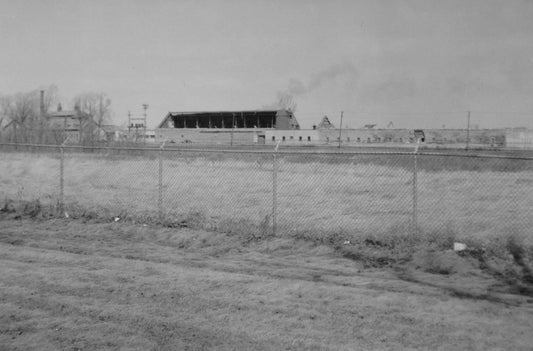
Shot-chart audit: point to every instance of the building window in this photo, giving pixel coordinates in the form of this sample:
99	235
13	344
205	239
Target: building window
308	138
358	140
368	140
348	139
283	138
291	137
300	138
273	138
401	140
327	139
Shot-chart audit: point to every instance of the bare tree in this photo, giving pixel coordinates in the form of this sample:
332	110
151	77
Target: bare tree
21	115
3	116
21	112
97	105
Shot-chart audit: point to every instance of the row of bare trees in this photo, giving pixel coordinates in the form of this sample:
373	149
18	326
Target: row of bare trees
24	117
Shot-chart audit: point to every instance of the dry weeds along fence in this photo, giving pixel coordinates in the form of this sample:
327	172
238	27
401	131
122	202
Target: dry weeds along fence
336	197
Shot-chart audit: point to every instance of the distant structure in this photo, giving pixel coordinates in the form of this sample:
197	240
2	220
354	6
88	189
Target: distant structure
75	126
520	138
280	126
71	123
325	123
239	127
111	133
281	119
419	135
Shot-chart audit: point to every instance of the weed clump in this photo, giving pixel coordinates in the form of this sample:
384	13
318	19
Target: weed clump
507	257
247	230
510	257
33	209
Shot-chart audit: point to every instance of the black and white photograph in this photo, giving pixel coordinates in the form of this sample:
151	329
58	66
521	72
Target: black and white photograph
266	175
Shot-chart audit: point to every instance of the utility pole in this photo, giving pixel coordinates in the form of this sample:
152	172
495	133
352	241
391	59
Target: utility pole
340	130
130	125
468	131
137	123
145	107
232	127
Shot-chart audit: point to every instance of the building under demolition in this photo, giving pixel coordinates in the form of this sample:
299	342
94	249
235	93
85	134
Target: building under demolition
221	127
264	119
273	126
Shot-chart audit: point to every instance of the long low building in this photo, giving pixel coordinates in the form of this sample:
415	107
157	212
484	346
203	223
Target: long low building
273	126
382	137
520	138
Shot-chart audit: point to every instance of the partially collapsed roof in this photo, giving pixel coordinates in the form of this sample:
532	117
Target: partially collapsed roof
280	119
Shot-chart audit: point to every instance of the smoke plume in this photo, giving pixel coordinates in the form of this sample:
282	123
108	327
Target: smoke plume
286	99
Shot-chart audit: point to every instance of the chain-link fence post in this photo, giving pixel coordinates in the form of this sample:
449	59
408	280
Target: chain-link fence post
415	190
61	205
275	189
160	184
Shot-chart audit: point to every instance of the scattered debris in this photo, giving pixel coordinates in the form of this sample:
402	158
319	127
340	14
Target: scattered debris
459	247
117	219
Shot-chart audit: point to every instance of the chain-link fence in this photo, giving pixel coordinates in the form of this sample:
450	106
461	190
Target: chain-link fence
279	191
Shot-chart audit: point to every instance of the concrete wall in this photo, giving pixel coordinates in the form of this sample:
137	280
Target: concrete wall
366	136
478	137
209	136
522	139
350	137
445	137
292	137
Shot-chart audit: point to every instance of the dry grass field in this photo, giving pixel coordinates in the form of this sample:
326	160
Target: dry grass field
348	195
84	285
344	272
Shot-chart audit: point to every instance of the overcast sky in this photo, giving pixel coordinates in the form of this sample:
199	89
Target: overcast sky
414	63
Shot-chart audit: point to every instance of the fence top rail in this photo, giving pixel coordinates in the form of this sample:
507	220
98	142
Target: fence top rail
49	146
271	151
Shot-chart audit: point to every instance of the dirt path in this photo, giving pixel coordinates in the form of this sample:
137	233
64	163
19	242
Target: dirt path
87	286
